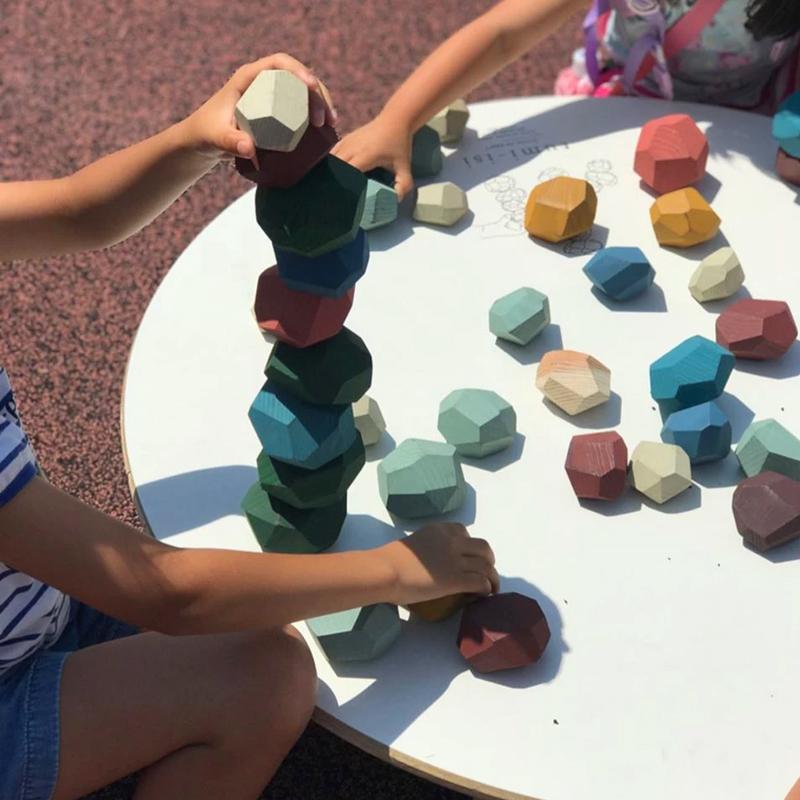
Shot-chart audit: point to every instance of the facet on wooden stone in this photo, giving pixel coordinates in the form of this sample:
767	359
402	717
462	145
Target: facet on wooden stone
766	446
380	205
683	219
274	110
320	213
691	373
786	125
502	631
660	471
440	204
477	422
337	371
426	153
702	431
381	175
358	634
671	153
369	420
766	509
520	316
719	275
311	488
332	274
575	382
622	273
298	318
420	478
757	329
560	208
787	167
300	433
281	170
597	465
450	122
282	528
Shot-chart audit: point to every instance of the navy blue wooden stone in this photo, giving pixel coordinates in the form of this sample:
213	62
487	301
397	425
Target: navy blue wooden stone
382	175
703	431
330	274
622	273
300	433
691	373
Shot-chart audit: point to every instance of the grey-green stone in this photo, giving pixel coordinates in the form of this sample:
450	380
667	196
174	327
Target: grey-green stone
358	634
380	206
768	446
520	316
477	422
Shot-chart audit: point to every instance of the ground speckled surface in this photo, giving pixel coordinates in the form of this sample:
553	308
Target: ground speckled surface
80	78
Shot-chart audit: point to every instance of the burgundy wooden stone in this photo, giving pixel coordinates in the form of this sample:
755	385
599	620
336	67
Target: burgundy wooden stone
298	318
757	329
766	508
281	170
787	167
597	465
502	631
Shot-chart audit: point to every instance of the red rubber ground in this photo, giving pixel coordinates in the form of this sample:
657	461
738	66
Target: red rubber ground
79	78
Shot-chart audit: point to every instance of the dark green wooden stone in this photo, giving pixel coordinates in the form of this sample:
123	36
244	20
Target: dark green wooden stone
320	213
426	153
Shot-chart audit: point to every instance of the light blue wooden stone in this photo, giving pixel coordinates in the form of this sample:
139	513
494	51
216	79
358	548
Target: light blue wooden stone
767	446
358	634
622	273
786	125
300	433
477	422
691	373
380	206
520	316
703	431
420	478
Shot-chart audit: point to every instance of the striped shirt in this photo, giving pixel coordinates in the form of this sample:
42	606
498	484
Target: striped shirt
32	614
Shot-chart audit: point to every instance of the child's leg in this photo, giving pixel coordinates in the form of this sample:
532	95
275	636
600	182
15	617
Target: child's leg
202	716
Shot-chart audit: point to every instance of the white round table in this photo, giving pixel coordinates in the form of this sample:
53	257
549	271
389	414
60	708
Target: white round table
672	668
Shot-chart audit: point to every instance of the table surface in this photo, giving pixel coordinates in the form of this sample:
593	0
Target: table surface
672	668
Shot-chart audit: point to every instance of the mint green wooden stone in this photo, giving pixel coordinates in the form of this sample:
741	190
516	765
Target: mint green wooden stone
359	634
380	206
420	478
281	528
311	488
477	422
426	153
767	446
520	316
337	371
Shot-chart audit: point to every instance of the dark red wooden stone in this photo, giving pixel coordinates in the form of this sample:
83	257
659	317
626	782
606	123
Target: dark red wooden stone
757	329
766	508
597	465
502	631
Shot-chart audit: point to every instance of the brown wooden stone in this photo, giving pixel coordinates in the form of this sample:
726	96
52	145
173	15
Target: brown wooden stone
766	508
597	465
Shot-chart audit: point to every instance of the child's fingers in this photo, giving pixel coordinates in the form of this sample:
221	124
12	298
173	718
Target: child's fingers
237	143
331	114
794	792
403	182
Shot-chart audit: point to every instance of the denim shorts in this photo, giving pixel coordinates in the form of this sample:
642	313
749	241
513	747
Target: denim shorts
29	706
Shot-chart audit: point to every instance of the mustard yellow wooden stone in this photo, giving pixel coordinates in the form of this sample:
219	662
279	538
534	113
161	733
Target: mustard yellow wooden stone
560	208
439	609
683	219
573	381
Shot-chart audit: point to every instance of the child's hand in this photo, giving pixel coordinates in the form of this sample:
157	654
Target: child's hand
439	560
212	128
380	143
794	792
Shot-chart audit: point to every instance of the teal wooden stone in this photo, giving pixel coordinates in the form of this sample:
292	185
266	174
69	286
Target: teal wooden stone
333	372
380	206
703	431
520	316
477	422
320	213
281	528
332	274
420	478
311	488
767	446
692	373
622	273
300	433
786	125
359	634
426	153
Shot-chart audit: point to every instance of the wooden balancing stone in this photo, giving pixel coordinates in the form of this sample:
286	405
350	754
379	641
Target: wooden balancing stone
597	465
560	209
683	219
575	382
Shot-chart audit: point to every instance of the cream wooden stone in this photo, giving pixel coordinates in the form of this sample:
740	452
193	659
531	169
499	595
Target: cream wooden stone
369	420
440	204
660	471
719	275
451	121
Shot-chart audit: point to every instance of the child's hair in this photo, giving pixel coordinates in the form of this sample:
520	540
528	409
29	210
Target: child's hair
777	18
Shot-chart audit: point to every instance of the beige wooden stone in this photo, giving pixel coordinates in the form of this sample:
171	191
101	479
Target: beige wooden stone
660	471
719	275
450	122
440	204
369	420
575	382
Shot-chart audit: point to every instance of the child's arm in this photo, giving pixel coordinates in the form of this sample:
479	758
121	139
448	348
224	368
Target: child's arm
114	197
467	59
54	537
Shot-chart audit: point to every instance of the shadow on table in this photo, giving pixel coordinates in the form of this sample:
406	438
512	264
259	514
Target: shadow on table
549	339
